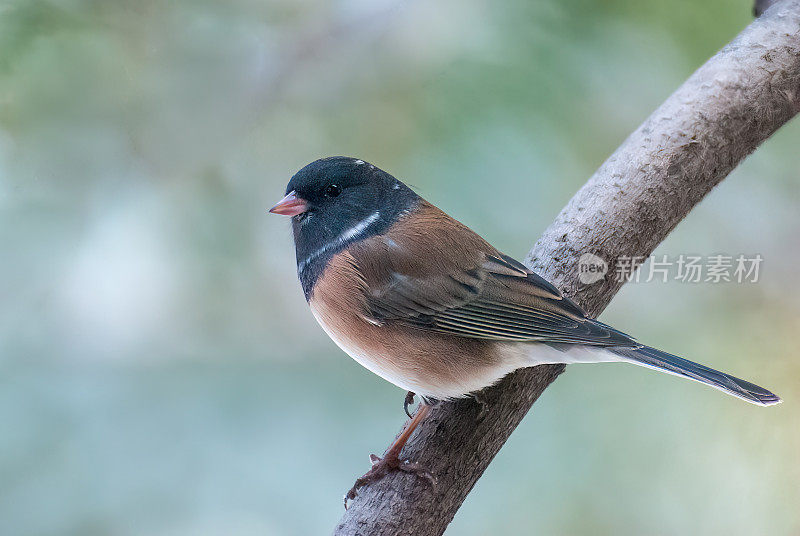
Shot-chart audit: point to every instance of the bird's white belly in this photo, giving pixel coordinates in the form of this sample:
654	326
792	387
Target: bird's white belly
533	353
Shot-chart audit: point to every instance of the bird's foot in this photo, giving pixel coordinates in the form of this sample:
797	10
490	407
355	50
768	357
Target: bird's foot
483	406
409	401
382	467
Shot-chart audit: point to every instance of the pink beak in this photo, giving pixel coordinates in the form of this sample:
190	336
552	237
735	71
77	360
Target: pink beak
291	205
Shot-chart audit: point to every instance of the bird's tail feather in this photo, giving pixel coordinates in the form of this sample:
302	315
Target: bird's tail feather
656	359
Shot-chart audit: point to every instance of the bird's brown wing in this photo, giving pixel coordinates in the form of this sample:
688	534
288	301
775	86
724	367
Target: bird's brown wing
456	283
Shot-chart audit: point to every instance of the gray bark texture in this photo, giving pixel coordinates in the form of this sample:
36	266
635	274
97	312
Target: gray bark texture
720	115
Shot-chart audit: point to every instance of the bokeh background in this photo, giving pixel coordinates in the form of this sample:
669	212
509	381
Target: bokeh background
160	373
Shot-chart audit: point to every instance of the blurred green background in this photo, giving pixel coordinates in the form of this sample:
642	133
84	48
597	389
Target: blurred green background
160	373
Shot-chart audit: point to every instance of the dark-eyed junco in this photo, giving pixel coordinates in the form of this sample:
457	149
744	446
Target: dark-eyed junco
424	302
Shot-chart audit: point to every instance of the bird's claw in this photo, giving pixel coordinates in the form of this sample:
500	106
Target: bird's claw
382	467
407	402
483	407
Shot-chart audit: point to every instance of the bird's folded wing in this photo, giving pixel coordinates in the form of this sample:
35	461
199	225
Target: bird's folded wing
470	290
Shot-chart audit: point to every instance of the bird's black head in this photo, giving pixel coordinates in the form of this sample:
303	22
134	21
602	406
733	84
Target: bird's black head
336	201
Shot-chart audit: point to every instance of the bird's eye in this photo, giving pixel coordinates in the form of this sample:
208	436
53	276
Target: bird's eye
332	190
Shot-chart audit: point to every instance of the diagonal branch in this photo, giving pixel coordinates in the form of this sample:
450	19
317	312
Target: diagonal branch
720	115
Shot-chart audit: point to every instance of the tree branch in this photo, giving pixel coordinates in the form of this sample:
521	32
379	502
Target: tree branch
711	123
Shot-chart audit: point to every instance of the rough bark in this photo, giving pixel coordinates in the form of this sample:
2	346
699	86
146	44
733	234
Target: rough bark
720	115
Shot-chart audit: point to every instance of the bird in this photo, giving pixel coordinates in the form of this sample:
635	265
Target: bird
424	302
